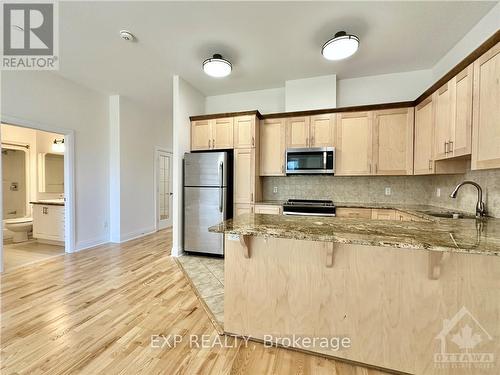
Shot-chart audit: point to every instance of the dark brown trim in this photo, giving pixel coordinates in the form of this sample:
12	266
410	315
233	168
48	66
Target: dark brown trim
359	108
473	56
222	115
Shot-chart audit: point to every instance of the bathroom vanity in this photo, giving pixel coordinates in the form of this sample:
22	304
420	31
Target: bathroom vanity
48	221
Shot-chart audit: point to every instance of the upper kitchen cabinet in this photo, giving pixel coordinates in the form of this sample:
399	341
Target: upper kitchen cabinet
216	134
453	117
272	147
313	131
245	131
486	111
354	143
222	133
297	132
424	124
246	184
322	130
393	142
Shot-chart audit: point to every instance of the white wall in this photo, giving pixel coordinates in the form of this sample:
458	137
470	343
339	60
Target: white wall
311	93
266	101
383	88
485	28
114	169
187	101
45	98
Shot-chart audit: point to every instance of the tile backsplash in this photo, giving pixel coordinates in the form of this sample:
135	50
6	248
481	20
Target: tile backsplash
404	189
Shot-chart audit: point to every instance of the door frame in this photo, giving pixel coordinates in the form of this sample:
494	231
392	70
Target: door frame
156	191
69	177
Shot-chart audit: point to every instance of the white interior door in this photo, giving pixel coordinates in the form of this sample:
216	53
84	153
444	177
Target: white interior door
164	189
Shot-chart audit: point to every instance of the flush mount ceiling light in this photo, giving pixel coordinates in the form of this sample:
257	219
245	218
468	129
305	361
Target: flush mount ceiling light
127	35
217	66
58	145
341	46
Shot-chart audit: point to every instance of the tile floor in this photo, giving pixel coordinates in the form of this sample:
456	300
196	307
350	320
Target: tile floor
24	253
207	275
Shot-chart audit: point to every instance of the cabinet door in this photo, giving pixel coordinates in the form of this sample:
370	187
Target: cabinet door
443	123
322	131
297	132
201	135
424	121
244	131
242	208
354	143
272	147
222	133
461	141
244	175
267	209
354	213
383	214
393	142
486	111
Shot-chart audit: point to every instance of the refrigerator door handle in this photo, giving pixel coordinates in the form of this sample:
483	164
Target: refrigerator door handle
221	184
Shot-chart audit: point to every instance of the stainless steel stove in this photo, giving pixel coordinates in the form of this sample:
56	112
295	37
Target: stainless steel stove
309	207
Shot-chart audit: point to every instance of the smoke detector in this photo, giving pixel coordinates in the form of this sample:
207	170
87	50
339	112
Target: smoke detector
127	35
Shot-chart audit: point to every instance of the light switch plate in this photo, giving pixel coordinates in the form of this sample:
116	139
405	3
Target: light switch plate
387	191
275	189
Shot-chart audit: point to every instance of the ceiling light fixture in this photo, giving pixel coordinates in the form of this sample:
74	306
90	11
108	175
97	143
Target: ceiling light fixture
341	46
58	145
127	35
217	66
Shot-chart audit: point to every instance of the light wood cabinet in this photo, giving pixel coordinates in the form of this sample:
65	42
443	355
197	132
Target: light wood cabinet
245	131
354	143
268	209
215	134
244	175
48	222
383	214
486	111
461	143
297	132
354	213
393	142
443	121
272	147
424	124
313	131
243	208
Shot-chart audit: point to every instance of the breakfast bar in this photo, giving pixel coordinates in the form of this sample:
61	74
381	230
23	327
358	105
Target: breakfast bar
387	288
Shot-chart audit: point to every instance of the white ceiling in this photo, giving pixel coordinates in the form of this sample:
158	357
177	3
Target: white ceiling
266	42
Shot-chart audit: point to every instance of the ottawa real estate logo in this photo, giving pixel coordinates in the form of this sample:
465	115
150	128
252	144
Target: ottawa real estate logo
30	35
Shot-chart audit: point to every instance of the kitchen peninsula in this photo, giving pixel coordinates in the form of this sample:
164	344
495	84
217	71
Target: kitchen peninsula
390	286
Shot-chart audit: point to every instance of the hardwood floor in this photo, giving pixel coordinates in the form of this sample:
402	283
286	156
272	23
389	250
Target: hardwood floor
95	312
24	253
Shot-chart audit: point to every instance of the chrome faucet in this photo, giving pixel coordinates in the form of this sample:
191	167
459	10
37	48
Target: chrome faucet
480	209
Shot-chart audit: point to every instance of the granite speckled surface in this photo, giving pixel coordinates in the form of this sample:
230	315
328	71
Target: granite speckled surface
450	235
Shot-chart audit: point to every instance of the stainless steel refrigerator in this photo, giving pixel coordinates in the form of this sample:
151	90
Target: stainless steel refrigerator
207	199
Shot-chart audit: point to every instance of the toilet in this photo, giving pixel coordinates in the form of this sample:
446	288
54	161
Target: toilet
20	227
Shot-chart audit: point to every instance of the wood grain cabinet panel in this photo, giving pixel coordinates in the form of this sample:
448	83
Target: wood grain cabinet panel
272	147
354	213
222	133
383	214
424	124
322	130
268	209
297	132
245	128
201	135
354	143
486	111
393	142
443	121
461	142
243	208
244	175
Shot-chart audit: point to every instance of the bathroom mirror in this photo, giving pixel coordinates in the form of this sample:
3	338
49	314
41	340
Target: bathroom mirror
50	173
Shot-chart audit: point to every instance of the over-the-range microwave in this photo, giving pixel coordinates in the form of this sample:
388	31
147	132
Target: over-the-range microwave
313	160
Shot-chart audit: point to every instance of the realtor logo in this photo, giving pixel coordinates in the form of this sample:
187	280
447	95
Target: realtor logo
463	341
29	36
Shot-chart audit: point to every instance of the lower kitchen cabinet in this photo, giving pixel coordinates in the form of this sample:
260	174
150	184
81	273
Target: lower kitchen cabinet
48	222
243	208
355	213
268	209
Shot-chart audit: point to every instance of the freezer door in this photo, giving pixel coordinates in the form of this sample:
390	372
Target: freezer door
205	169
203	207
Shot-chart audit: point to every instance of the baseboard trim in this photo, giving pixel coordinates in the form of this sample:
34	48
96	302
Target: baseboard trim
137	234
84	245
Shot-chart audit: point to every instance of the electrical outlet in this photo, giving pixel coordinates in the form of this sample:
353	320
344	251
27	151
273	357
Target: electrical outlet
387	191
438	192
275	189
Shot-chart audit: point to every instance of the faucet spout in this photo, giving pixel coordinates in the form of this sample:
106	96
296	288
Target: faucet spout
480	208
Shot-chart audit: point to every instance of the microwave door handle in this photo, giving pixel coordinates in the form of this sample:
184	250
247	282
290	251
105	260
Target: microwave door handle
324	160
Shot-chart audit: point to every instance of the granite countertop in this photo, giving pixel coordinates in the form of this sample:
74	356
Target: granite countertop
449	235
